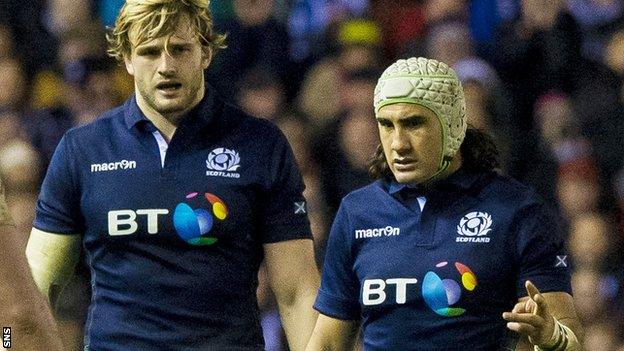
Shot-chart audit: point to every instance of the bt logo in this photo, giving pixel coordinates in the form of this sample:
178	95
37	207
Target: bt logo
191	221
439	294
123	222
193	224
374	290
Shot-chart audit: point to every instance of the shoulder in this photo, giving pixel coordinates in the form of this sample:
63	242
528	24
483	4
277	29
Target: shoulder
508	190
363	198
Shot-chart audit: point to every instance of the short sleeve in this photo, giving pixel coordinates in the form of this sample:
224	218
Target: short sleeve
541	252
338	295
58	205
284	207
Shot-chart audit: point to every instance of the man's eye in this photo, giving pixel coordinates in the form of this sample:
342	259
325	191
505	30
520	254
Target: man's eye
412	123
148	53
178	50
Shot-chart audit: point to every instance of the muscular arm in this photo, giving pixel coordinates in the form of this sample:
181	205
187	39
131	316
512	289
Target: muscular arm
52	259
332	334
294	278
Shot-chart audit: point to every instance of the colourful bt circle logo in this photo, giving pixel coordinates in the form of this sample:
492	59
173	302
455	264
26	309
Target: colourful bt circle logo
192	225
440	294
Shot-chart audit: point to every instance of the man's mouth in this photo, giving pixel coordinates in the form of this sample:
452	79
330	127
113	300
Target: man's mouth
404	163
168	86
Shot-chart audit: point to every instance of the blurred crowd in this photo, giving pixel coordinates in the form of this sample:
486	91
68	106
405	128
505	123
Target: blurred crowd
544	78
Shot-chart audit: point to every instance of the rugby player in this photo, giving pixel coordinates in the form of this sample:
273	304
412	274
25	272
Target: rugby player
441	252
176	197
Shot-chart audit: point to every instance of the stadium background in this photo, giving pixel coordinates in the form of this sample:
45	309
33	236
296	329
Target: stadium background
543	77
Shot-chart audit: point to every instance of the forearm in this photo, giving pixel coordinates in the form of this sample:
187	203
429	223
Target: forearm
298	318
332	334
52	258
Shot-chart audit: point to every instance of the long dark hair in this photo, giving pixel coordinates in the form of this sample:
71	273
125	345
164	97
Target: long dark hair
478	152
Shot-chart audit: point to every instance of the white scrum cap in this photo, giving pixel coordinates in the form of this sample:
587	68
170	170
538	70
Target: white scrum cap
432	84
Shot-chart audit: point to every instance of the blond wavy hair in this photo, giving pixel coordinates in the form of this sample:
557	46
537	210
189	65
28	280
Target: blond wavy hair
157	18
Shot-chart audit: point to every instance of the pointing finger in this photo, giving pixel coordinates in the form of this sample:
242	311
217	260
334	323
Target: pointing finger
531	289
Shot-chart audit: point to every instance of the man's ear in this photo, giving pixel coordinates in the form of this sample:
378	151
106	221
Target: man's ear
128	63
206	57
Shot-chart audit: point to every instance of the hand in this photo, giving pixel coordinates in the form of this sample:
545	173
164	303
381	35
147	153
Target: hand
531	318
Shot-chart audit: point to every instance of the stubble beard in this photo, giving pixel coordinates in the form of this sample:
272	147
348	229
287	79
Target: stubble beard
173	112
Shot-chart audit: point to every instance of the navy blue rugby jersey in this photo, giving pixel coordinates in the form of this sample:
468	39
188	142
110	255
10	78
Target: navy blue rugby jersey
174	243
439	279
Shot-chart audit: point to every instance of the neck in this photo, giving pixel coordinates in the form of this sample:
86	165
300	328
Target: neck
166	123
455	164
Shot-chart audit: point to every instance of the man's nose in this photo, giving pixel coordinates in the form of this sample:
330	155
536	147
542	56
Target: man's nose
166	64
400	140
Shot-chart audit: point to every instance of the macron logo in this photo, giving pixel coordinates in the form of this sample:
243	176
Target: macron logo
377	232
112	166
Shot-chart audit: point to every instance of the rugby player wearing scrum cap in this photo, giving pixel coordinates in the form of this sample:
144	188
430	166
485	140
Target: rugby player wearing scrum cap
441	252
176	197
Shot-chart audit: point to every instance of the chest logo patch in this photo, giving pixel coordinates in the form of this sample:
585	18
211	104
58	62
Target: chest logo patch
440	294
112	166
223	162
193	219
473	227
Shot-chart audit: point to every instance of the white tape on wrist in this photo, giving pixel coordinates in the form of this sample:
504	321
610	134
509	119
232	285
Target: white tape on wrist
563	339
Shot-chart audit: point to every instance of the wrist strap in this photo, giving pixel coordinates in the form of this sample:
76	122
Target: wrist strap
563	339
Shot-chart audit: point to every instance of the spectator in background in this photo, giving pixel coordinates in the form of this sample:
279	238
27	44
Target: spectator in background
487	104
26	23
445	35
598	20
261	94
359	43
86	91
614	59
12	96
556	121
541	51
537	52
590	240
450	41
6	42
602	337
255	38
308	23
343	148
578	189
396	31
66	15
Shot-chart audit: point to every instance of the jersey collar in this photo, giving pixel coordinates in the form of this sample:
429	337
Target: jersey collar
202	114
462	179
